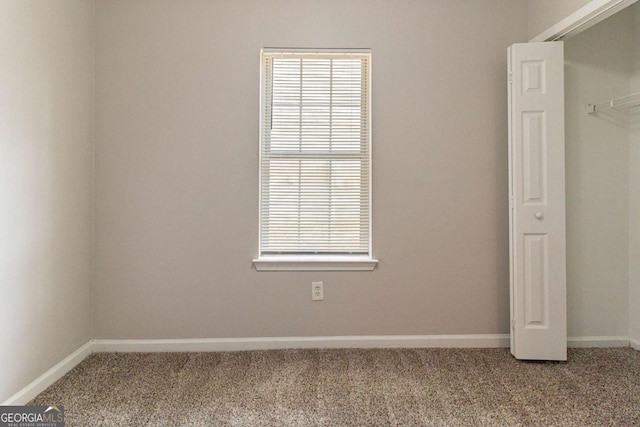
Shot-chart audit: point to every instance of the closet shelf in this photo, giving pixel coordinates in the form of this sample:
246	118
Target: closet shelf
629	104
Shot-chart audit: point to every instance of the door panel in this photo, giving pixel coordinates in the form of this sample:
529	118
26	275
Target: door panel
534	170
537	201
536	281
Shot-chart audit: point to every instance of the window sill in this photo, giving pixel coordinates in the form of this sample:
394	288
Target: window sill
315	263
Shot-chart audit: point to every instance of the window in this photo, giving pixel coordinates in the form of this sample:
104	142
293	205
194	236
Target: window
315	160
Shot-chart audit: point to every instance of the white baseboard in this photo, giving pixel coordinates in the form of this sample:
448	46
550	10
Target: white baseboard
38	385
598	342
635	344
373	341
273	343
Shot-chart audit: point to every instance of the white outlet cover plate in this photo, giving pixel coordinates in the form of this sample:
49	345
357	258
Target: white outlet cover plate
317	291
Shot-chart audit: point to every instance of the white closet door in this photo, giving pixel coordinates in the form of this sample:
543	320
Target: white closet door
537	201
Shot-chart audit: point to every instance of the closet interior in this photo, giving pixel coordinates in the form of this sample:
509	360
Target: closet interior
602	123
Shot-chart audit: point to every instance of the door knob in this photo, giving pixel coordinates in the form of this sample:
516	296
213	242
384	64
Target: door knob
539	215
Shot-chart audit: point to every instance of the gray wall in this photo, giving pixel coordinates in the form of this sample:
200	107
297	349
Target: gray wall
634	195
634	231
543	14
177	169
46	139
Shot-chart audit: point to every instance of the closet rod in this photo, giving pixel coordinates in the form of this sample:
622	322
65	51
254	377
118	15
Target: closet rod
623	104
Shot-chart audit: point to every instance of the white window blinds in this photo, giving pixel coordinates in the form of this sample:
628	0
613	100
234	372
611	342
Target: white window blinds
315	153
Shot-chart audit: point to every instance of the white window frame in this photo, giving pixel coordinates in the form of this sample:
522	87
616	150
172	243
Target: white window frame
313	262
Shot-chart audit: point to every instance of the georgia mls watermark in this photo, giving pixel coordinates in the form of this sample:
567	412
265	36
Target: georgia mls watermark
32	416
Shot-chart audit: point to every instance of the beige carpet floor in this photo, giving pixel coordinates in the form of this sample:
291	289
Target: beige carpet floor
412	387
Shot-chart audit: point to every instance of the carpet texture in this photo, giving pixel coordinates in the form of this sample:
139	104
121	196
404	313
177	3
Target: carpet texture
412	387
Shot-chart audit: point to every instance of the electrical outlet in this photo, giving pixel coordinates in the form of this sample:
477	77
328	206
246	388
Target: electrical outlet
317	291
